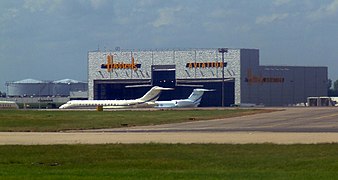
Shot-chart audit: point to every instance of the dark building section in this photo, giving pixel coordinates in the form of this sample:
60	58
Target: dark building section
131	89
163	75
120	89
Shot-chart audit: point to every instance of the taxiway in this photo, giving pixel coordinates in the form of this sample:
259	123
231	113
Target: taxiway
287	126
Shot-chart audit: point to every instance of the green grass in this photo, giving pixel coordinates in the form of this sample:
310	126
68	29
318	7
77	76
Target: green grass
35	121
165	161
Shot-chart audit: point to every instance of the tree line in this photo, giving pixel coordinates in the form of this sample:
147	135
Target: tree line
2	94
333	88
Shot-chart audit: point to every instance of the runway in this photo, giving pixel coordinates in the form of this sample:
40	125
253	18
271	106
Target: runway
304	119
287	126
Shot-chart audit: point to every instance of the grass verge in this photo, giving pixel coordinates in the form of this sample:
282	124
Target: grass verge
43	121
165	161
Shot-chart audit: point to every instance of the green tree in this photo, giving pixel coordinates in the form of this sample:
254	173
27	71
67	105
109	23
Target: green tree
329	88
332	91
335	86
329	84
2	94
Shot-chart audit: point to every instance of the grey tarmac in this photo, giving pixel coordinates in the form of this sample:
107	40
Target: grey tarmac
301	119
288	126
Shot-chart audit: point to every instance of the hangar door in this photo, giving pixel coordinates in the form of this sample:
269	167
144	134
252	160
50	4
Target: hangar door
163	75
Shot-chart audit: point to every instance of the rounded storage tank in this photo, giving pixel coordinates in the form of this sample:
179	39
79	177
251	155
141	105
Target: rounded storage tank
28	87
65	86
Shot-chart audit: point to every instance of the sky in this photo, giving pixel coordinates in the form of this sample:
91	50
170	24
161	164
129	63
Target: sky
49	39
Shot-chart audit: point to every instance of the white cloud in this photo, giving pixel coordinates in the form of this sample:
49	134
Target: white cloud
333	7
281	2
213	26
145	2
42	5
325	11
7	16
271	18
35	5
166	16
10	14
97	3
244	28
221	13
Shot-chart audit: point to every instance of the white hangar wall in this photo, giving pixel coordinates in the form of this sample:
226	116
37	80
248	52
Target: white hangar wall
179	58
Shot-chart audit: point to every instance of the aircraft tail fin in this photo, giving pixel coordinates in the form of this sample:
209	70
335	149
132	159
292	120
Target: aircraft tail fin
196	95
153	94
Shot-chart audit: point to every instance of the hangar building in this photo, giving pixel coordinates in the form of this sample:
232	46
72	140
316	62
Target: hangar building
126	74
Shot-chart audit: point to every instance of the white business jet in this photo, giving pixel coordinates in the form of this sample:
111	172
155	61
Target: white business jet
148	100
193	100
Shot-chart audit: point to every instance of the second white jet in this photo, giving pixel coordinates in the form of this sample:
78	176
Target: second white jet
193	100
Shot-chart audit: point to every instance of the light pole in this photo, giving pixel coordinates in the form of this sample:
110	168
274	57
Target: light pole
39	95
223	50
